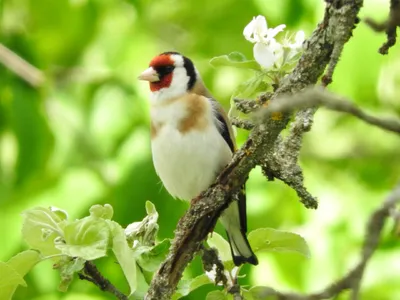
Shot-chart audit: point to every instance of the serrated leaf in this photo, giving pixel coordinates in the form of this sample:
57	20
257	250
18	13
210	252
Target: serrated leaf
218	242
87	238
124	254
40	228
68	267
10	279
150	258
235	59
186	286
269	239
216	295
102	211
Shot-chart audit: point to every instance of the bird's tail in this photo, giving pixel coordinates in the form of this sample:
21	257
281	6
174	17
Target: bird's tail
236	231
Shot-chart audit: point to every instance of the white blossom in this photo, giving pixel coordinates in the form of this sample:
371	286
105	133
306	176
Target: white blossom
266	49
298	41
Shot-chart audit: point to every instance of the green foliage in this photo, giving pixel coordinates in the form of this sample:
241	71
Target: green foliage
236	60
68	267
218	295
12	273
82	137
124	254
260	293
185	286
71	243
40	229
270	239
218	242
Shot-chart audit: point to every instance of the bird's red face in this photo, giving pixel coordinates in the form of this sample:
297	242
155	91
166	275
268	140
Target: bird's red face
160	72
170	75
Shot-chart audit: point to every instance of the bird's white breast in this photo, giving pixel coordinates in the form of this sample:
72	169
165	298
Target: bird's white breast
189	162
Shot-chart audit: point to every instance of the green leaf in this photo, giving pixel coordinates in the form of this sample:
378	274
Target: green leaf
142	286
9	281
124	254
24	261
100	211
40	228
68	266
87	238
150	258
146	230
151	208
216	295
62	214
235	59
218	242
237	56
251	87
12	272
261	293
279	241
185	286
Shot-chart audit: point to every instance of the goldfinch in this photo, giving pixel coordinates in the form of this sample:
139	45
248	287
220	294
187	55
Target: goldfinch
192	141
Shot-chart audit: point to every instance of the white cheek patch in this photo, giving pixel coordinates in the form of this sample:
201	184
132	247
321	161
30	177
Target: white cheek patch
178	86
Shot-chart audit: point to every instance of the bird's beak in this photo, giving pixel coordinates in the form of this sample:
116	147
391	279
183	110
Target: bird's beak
149	75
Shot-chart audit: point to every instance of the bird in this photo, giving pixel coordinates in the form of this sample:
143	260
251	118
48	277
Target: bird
192	140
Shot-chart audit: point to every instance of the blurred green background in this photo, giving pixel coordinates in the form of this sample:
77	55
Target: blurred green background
82	137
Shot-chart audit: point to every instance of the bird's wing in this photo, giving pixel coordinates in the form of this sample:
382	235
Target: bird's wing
225	129
224	125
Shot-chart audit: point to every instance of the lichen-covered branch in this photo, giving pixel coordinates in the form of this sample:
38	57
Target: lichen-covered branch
244	124
201	217
320	97
284	163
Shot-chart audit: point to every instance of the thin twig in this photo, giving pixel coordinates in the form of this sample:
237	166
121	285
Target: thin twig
244	124
21	67
389	26
320	97
246	106
92	274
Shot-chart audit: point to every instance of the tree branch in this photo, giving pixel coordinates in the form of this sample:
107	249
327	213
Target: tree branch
201	217
244	124
92	274
389	26
320	97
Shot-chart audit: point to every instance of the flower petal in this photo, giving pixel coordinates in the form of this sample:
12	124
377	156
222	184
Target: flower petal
249	31
299	38
272	32
260	28
263	55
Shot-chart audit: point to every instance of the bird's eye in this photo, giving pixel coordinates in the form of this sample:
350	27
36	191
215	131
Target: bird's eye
164	70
